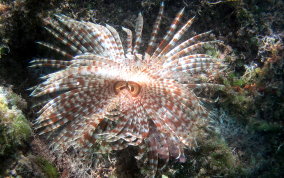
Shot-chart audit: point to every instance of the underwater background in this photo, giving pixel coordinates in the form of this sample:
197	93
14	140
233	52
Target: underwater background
245	136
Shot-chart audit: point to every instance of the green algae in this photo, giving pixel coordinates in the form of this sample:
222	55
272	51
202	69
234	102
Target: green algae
263	126
14	127
213	158
47	168
15	131
219	159
2	51
211	50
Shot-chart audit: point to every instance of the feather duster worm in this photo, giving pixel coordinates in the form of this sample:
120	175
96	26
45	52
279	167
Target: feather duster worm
109	95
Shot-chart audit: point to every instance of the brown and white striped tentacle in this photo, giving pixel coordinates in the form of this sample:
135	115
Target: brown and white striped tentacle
191	48
67	83
129	40
193	65
154	33
49	63
138	35
109	43
117	39
81	34
100	72
57	49
177	36
81	104
68	35
169	34
152	155
176	61
63	40
187	43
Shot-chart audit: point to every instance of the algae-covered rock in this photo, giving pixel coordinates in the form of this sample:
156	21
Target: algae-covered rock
15	132
47	168
32	166
14	127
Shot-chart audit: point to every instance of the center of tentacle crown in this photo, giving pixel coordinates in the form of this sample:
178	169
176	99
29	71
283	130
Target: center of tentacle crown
133	87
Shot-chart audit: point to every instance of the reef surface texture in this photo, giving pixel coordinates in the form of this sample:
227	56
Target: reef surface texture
188	102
